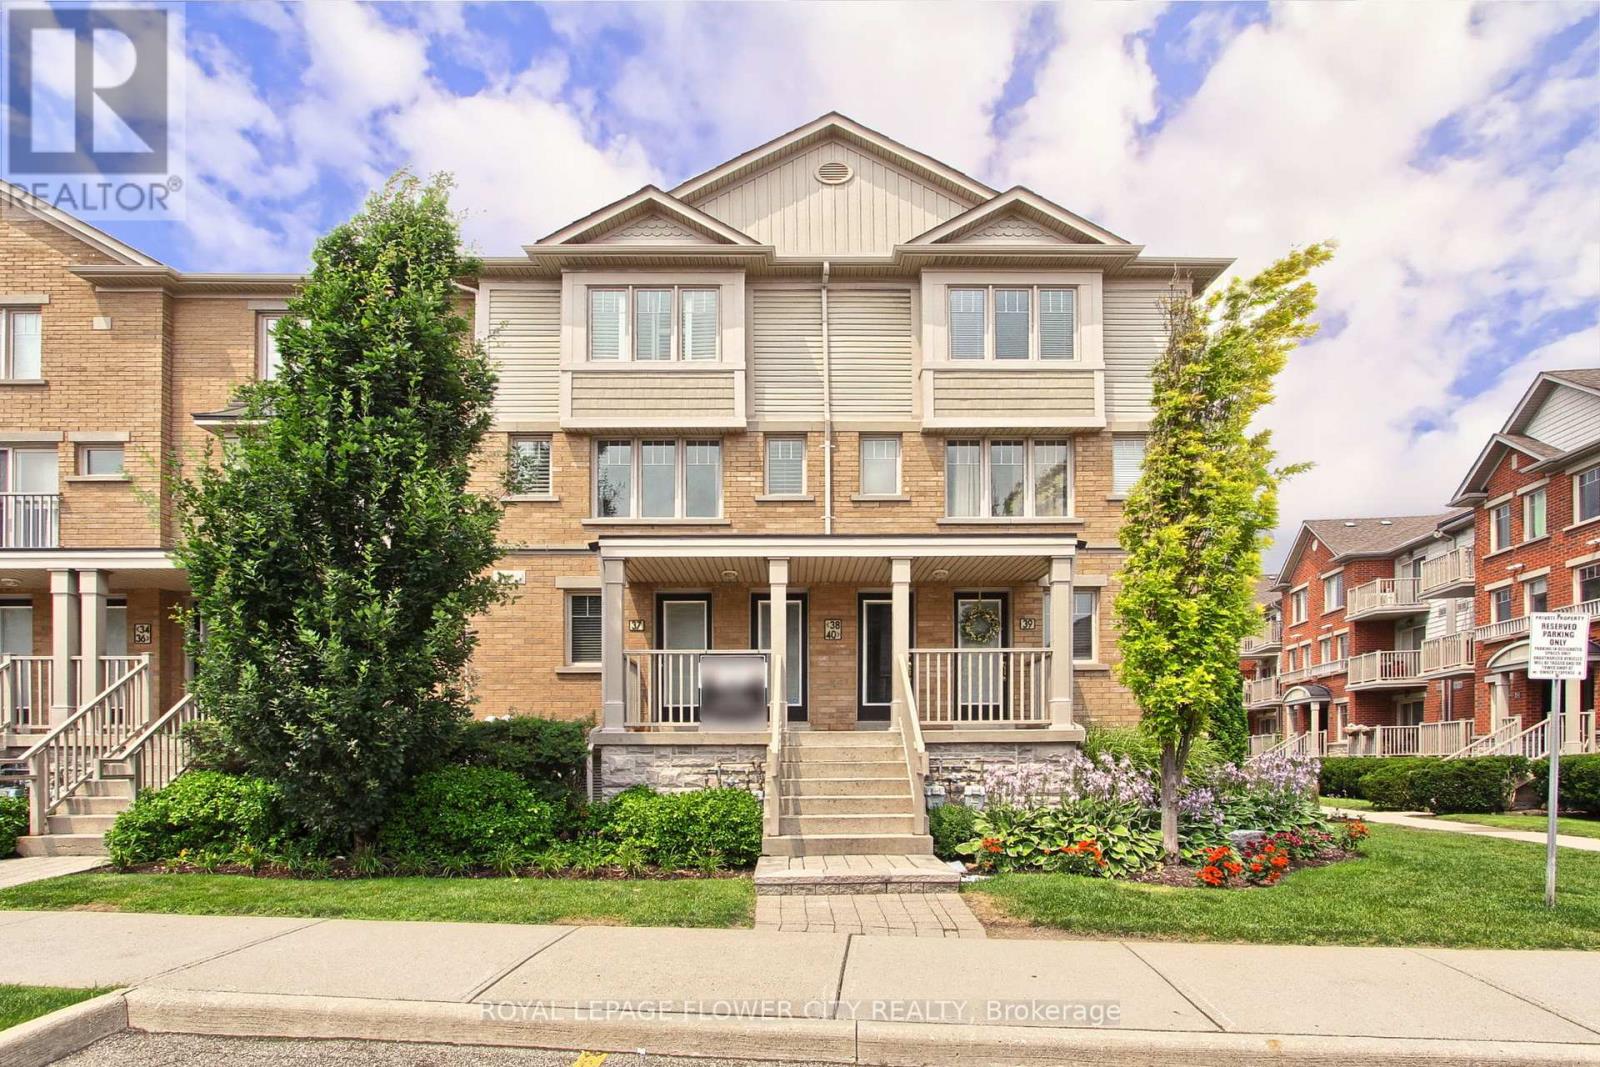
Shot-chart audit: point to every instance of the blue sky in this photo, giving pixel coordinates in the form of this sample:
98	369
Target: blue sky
1450	148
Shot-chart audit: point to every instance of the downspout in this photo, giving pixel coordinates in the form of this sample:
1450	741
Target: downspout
827	414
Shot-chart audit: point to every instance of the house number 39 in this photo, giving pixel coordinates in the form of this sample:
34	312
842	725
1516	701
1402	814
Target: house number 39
1027	622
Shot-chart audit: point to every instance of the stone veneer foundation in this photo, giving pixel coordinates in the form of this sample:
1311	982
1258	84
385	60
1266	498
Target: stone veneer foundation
956	770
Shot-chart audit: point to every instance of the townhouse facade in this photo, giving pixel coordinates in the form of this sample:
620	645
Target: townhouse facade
832	375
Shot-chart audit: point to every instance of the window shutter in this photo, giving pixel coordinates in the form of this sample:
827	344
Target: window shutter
652	324
606	324
966	323
583	628
1057	309
786	472
699	318
1127	460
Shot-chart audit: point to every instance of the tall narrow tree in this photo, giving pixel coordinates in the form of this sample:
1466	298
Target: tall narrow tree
336	555
1196	521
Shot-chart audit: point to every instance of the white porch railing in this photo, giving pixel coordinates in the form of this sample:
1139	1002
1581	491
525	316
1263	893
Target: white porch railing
663	686
1499	631
161	751
772	792
1383	594
916	750
1452	652
1270	637
1378	668
25	692
1314	670
30	520
1260	744
1453	568
968	686
1258	691
70	754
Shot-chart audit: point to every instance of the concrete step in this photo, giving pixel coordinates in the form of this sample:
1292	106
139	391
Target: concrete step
80	824
829	875
844	769
842	739
823	825
106	787
81	805
116	768
845	754
62	845
862	804
848	845
846	787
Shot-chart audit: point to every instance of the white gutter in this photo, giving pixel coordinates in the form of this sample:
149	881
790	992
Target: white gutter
827	414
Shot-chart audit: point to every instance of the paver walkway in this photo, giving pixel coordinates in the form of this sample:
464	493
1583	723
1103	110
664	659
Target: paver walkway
24	869
886	914
855	874
1417	820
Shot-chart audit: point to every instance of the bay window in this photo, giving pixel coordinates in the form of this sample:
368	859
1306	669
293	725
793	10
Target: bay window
653	323
658	479
1026	322
1008	479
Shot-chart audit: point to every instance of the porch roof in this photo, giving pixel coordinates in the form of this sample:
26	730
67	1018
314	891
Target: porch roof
858	559
28	570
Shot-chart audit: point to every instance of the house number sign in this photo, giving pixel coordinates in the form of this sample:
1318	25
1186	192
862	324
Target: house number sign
833	629
141	633
1027	622
636	626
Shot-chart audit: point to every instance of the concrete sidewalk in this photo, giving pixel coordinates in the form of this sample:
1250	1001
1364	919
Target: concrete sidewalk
21	870
1418	820
832	998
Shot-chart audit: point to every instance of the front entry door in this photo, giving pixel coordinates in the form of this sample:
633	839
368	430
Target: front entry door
794	659
875	658
981	668
683	623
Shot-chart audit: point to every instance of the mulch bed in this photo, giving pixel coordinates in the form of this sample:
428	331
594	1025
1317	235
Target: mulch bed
1179	876
340	869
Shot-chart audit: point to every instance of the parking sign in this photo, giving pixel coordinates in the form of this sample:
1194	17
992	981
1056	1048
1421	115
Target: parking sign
1558	646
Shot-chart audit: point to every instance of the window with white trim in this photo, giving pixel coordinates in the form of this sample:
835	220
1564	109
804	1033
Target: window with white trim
1588	583
1535	517
1536	595
1010	322
268	360
1008	479
1333	592
1586	495
664	478
1127	461
786	466
1325	650
528	465
880	464
1500	604
1500	527
643	323
21	344
1299	606
1085	624
583	629
100	461
1339	645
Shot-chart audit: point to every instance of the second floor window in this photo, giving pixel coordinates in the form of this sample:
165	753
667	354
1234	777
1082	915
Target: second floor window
28	487
1589	583
1586	495
880	465
100	460
1012	322
529	465
1333	592
1500	527
1325	649
658	479
1127	462
786	466
20	344
1008	479
1500	604
1537	592
1085	605
652	324
268	361
583	629
1535	519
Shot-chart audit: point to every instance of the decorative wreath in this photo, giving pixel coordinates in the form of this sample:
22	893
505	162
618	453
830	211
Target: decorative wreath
979	624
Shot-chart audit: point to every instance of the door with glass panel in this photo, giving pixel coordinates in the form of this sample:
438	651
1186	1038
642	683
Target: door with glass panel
683	626
981	683
24	700
875	659
28	497
794	657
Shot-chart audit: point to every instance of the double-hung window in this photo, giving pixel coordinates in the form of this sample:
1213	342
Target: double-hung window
658	479
1586	495
1333	592
1537	594
21	344
880	464
1298	606
1007	322
1085	608
1535	515
786	466
1127	462
1325	650
1500	527
1500	604
529	465
1589	583
268	360
653	323
583	629
1008	479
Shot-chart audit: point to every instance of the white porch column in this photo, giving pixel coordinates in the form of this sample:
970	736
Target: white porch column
92	623
1571	712
900	633
613	664
1060	641
63	644
778	637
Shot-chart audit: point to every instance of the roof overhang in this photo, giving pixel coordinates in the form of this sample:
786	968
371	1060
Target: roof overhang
1307	694
158	278
638	205
17	198
1470	491
1028	204
127	568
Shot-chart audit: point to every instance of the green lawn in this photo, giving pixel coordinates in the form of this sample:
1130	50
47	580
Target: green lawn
644	902
1413	887
1353	803
19	1003
1565	824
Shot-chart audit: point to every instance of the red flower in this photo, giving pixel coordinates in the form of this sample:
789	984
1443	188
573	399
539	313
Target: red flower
991	844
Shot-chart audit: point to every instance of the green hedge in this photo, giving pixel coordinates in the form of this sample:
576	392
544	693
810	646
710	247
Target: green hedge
200	812
1483	784
951	827
467	815
1580	783
13	823
679	830
550	755
1387	784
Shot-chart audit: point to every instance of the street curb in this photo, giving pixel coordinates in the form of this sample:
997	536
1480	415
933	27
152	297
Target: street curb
63	1032
884	1044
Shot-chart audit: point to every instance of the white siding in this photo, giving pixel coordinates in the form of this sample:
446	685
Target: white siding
1135	338
525	341
786	353
787	207
1568	418
870	357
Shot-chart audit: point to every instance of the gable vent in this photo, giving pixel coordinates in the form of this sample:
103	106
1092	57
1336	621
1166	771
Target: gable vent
834	173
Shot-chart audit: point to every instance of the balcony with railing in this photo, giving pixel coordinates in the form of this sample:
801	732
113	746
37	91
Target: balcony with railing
1385	670
1262	692
1384	598
30	520
1505	629
1267	643
1450	654
1313	671
1449	575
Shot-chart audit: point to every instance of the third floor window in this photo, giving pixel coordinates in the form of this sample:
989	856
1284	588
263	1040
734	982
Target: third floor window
1586	495
1008	479
1535	517
1500	527
1012	322
646	324
20	344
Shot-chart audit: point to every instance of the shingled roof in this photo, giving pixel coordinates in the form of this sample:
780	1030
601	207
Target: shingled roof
1584	377
1373	536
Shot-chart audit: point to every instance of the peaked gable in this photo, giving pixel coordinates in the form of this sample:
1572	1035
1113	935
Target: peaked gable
18	201
1019	216
648	216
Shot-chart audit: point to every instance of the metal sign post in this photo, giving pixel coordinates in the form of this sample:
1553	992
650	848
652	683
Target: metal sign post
1558	651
